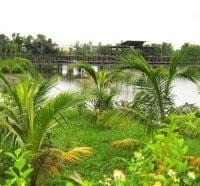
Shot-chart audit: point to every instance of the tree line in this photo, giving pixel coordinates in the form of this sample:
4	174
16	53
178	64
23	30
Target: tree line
18	45
41	45
154	49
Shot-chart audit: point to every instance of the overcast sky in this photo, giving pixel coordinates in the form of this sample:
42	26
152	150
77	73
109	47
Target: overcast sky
105	21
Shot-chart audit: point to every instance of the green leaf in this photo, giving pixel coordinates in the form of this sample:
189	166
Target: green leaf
160	178
24	154
11	155
180	166
11	172
197	129
159	137
27	172
69	184
175	153
20	163
17	152
10	182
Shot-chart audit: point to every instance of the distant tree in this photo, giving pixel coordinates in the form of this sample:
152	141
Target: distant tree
4	43
164	49
17	41
28	43
103	50
184	46
188	49
82	49
167	49
40	45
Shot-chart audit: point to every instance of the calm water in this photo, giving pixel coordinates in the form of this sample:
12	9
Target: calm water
183	90
186	92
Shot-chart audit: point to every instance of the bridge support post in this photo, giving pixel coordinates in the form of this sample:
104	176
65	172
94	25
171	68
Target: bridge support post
40	68
59	68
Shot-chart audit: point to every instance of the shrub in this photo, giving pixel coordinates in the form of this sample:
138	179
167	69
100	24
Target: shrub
5	69
17	69
163	160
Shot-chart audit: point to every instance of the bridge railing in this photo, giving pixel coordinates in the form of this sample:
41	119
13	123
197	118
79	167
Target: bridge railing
69	58
91	59
157	59
98	59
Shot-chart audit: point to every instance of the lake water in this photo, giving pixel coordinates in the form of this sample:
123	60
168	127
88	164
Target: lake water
184	91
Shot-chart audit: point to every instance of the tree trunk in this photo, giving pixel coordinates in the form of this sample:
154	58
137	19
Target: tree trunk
34	176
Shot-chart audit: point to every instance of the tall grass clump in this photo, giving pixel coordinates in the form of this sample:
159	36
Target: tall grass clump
18	65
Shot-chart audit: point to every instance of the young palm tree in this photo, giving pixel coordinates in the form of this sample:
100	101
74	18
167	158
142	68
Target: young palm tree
27	117
155	100
102	93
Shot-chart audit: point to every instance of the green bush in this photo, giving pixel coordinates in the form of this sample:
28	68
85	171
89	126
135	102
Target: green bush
17	69
163	160
5	69
18	65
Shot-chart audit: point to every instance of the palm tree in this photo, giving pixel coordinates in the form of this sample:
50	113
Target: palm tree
28	117
155	100
102	92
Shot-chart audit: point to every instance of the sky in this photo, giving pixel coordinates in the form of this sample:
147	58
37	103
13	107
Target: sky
105	21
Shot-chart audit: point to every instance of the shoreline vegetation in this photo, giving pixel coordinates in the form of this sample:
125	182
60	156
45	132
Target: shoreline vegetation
42	45
59	141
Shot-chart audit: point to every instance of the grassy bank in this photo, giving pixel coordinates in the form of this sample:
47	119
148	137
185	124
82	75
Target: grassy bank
81	131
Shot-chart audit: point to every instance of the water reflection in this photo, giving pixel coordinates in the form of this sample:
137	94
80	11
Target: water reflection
184	91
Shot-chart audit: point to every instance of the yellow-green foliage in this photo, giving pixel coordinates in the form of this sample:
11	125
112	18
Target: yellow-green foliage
18	65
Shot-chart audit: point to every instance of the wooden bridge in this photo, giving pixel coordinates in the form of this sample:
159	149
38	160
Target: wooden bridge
94	60
99	60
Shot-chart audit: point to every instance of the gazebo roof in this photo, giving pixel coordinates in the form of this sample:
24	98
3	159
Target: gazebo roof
133	43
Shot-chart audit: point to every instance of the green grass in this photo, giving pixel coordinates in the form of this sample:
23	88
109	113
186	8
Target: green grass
82	132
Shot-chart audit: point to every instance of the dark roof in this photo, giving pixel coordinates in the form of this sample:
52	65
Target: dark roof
133	43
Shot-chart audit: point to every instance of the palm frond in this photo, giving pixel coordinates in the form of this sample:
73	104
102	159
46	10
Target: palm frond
176	60
9	112
126	143
135	115
15	97
195	161
102	78
132	59
88	68
8	126
53	160
47	113
77	154
49	160
185	109
184	63
190	72
40	94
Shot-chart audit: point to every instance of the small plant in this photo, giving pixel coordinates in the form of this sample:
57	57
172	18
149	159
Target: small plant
118	179
77	179
20	170
163	160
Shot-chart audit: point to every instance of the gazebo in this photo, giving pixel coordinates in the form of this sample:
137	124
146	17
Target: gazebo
130	44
